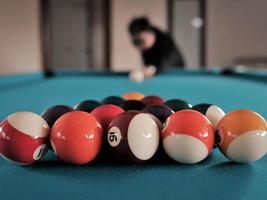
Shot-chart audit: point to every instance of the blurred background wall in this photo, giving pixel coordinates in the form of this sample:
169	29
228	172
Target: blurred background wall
20	44
234	29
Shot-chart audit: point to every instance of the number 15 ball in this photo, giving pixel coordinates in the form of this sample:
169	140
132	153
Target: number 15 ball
133	136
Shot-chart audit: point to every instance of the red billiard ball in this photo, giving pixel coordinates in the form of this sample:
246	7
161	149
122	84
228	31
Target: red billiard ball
133	137
53	113
188	136
106	113
23	137
152	100
242	136
76	137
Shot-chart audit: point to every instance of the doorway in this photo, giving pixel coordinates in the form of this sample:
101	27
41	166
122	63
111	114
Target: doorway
75	35
187	26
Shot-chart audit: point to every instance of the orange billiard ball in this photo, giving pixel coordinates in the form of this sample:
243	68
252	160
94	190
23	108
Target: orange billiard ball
242	136
133	96
188	136
76	137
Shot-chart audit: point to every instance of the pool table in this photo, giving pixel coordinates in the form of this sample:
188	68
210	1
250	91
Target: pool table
214	178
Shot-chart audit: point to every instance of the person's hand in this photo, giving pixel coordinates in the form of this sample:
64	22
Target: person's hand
141	73
149	71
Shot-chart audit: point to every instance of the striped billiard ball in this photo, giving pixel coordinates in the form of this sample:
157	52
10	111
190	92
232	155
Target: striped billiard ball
133	137
242	136
23	138
188	136
213	112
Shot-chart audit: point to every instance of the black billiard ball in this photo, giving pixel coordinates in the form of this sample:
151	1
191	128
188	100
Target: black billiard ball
162	112
115	100
133	137
132	105
53	113
87	105
211	111
177	104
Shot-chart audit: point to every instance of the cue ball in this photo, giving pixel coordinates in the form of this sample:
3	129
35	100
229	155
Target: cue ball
23	137
106	113
87	105
133	137
212	112
137	75
133	96
161	112
115	100
177	104
188	136
76	137
133	105
150	100
241	136
53	113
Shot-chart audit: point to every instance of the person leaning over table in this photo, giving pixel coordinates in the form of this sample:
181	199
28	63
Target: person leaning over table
157	48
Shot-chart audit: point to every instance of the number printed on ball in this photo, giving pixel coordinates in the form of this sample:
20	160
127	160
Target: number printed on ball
40	152
114	136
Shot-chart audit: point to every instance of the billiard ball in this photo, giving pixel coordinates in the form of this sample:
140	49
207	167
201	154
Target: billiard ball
149	100
137	75
87	105
106	113
53	113
162	112
132	105
76	137
133	96
23	137
115	100
242	136
211	111
177	104
188	136
133	137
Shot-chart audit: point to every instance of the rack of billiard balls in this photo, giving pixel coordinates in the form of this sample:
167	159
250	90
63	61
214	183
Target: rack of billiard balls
130	129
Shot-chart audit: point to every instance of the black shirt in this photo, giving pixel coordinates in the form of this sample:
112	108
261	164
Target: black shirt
164	52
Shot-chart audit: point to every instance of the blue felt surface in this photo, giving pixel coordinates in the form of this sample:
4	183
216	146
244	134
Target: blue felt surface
214	178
